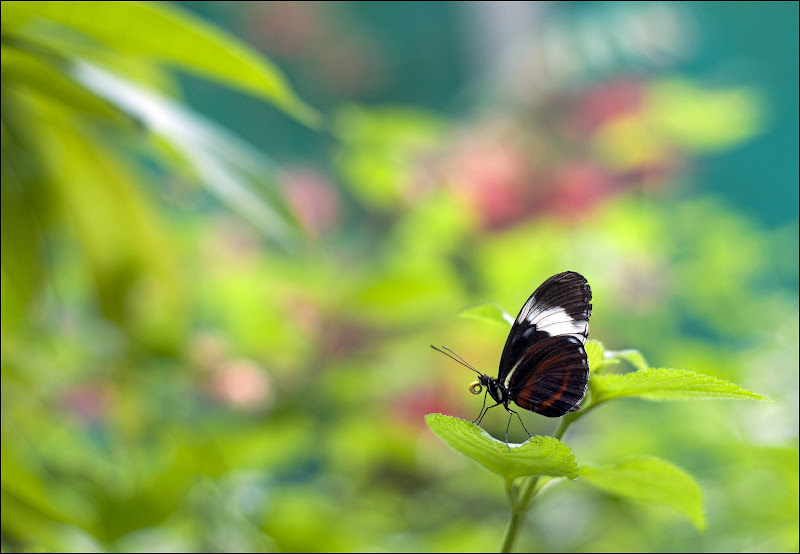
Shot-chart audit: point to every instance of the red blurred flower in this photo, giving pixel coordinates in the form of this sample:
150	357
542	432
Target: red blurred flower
412	407
580	185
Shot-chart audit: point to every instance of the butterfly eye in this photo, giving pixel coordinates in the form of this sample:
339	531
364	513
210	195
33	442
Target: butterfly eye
475	387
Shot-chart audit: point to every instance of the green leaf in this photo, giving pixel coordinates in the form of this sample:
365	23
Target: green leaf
134	267
665	384
633	357
234	171
488	311
21	70
601	360
24	212
161	32
536	456
650	479
594	352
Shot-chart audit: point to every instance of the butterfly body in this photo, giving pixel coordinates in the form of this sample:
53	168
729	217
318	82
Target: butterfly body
541	392
496	389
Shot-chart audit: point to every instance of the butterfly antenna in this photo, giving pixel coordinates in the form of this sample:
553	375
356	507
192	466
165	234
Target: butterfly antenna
453	356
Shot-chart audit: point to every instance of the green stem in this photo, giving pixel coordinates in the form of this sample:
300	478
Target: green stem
565	422
512	530
518	511
529	489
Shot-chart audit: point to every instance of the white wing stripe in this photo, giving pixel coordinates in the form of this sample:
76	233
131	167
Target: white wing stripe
555	321
507	382
535	316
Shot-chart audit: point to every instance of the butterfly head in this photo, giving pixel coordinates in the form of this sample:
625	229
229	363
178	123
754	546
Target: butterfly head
484	381
476	387
492	385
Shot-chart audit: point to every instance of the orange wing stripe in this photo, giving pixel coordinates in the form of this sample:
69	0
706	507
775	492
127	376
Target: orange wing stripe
552	400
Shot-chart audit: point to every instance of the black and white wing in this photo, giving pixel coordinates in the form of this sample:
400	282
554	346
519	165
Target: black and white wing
561	306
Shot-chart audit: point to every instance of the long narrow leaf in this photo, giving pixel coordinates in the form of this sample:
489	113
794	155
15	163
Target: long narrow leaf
161	32
226	164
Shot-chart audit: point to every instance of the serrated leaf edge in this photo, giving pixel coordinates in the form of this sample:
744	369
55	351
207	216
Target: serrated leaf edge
499	451
679	373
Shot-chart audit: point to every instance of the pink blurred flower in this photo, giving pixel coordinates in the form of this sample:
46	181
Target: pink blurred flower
314	199
241	384
491	170
290	29
89	402
607	101
509	171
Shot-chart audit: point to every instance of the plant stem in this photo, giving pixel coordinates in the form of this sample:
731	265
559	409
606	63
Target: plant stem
512	530
529	488
562	427
518	512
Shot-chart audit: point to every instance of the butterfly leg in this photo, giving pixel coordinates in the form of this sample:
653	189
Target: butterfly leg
507	426
520	421
480	414
510	417
483	413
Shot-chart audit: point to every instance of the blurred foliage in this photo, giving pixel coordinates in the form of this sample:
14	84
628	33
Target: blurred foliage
69	147
179	377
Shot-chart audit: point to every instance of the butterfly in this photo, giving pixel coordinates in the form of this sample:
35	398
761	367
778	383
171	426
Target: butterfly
543	367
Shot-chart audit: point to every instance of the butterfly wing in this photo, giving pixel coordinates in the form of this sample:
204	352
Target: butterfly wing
550	378
560	307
